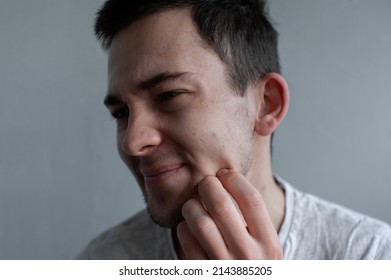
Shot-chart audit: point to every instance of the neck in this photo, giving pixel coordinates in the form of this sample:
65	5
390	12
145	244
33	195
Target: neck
261	177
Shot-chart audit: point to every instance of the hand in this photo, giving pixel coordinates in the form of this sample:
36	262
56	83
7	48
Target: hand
213	227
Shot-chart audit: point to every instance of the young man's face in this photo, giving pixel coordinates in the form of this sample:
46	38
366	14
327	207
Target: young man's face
178	119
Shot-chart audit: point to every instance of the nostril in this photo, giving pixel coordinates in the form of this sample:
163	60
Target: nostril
141	142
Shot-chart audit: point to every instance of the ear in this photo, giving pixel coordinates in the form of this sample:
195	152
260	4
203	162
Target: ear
273	103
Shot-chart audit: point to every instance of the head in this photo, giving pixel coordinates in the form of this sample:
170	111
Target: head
194	86
238	31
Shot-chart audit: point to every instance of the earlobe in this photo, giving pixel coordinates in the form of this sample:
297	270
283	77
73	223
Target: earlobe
273	105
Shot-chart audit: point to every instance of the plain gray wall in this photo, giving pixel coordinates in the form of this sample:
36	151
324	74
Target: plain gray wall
61	181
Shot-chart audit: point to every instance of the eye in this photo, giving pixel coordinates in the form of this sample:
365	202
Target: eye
167	96
120	113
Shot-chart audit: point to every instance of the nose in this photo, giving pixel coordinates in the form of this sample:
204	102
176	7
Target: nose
142	135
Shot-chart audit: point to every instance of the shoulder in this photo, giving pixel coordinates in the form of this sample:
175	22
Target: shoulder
135	238
331	231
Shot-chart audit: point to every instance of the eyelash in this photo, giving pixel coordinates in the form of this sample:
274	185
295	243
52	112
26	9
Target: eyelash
161	98
166	96
120	113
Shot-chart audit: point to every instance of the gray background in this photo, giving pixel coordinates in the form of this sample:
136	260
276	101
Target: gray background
61	181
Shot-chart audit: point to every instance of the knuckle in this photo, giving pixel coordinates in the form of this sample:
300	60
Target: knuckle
253	200
203	225
274	251
223	209
248	254
187	206
250	250
253	249
230	176
206	182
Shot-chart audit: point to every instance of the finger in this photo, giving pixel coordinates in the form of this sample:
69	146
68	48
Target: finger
204	229
250	203
190	246
224	213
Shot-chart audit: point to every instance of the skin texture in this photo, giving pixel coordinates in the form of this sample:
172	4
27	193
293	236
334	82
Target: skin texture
179	122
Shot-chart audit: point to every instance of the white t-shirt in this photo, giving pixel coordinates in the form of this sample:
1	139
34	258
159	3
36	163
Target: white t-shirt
312	229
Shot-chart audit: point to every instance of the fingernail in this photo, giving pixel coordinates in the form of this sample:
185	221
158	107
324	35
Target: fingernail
222	172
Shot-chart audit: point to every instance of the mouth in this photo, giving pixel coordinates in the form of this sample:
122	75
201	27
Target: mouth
156	176
150	173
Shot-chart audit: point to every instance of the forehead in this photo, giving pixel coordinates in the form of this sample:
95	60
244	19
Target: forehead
167	41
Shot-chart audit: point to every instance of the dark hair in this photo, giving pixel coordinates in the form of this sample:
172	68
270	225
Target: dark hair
237	30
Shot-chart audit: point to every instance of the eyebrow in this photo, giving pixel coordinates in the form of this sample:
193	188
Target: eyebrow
111	99
164	77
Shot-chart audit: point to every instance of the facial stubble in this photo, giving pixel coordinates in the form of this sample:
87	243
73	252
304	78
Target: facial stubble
243	125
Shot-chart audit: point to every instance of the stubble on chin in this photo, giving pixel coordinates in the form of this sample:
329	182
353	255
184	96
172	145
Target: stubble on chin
166	218
166	211
169	221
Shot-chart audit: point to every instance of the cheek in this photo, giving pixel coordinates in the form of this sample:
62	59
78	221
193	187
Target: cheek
210	148
228	138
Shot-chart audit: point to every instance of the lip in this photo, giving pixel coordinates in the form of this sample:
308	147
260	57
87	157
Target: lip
156	172
156	179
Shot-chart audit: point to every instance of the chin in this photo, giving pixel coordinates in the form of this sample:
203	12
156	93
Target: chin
165	212
166	220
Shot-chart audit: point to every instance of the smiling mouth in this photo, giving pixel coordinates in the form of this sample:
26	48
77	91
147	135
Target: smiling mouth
153	173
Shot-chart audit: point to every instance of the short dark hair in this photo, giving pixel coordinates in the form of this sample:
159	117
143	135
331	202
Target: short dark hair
239	31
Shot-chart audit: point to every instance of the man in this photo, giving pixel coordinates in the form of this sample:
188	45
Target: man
196	92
